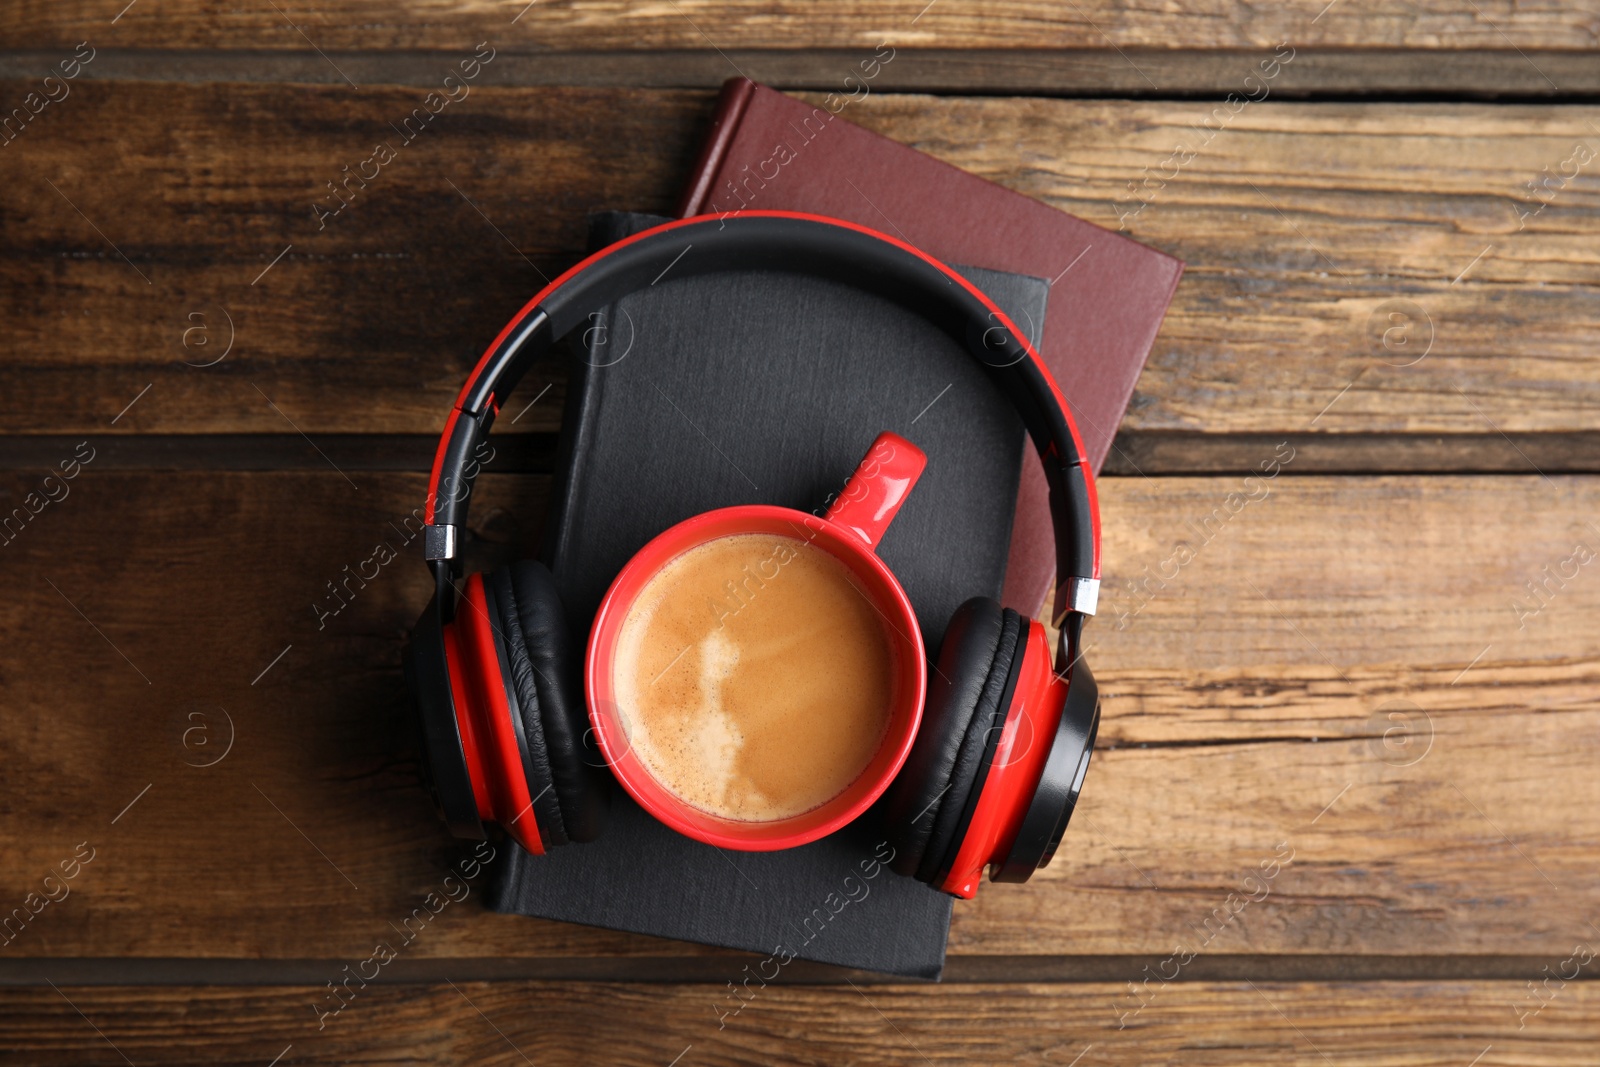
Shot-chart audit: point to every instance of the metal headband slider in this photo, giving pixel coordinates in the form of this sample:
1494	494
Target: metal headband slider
438	542
1083	595
1080	597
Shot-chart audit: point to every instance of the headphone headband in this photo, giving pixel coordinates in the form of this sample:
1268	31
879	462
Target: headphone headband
795	242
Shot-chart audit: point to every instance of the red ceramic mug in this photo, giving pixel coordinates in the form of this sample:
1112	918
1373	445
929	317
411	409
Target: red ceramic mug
850	533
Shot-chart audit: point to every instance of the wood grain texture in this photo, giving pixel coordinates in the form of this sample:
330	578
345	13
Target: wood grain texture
697	24
1442	1024
1301	224
214	203
1338	674
1492	72
1349	721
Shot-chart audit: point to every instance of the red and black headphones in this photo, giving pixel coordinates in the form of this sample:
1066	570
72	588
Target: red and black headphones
1005	739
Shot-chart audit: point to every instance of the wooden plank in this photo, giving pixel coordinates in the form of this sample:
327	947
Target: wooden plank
1305	228
390	302
1229	1025
1093	70
1248	713
850	24
1302	225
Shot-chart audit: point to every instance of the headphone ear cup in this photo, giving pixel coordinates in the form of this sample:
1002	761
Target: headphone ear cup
544	669
444	767
928	807
523	697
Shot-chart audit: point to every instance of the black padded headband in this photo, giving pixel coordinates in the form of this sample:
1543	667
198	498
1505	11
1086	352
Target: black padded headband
806	244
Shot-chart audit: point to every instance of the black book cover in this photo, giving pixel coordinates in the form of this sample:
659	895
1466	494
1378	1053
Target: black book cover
709	391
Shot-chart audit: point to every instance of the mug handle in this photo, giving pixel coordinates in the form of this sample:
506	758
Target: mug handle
880	484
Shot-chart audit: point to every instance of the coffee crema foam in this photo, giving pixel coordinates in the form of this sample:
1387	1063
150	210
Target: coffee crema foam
754	677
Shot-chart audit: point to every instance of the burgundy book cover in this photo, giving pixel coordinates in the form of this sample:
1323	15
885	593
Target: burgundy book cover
1108	294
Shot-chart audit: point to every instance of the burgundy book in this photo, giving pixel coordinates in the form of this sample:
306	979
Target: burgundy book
1108	294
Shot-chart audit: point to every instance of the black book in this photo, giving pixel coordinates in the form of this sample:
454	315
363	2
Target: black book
709	391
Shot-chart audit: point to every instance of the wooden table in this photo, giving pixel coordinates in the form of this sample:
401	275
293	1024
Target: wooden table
1393	271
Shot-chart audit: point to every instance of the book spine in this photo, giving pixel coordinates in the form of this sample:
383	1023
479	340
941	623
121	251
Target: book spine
731	104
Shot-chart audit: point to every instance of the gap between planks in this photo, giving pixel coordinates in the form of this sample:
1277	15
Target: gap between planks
959	970
1163	453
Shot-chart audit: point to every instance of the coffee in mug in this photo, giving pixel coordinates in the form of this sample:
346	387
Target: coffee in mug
754	677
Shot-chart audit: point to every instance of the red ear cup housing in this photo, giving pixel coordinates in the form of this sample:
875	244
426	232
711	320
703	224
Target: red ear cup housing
494	752
444	756
1034	772
984	786
1039	832
502	717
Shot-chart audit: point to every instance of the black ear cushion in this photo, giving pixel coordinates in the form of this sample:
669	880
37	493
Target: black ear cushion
977	752
924	805
548	671
523	696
